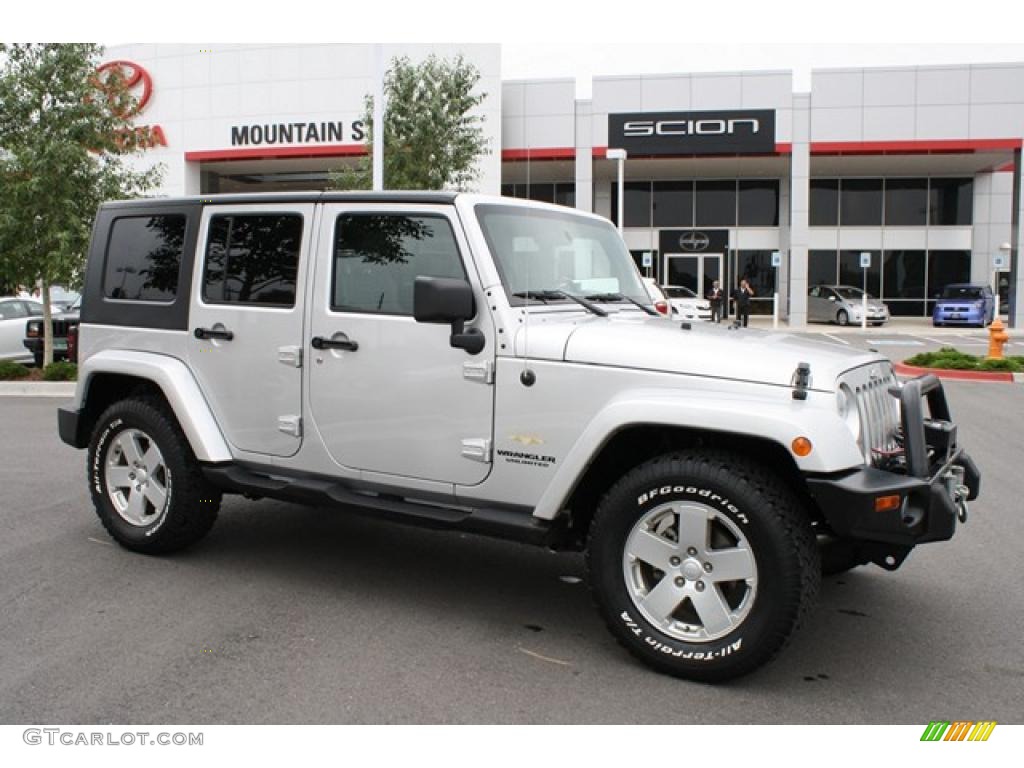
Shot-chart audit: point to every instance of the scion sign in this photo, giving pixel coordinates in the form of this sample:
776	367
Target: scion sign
693	133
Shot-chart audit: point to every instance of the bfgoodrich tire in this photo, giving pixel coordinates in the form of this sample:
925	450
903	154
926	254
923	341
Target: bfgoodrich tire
145	482
702	564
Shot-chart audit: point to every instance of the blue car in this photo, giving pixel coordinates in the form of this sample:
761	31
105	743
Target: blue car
964	304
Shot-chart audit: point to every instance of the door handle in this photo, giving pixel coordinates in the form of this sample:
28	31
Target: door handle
319	342
209	333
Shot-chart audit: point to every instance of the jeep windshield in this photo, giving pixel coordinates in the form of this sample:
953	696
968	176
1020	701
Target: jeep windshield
541	254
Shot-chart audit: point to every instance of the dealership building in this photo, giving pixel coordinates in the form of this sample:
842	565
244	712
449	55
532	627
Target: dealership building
915	171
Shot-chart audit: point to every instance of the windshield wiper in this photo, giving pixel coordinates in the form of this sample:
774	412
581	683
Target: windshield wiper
546	296
622	297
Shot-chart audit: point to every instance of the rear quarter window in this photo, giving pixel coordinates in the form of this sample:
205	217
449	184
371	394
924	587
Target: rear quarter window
144	258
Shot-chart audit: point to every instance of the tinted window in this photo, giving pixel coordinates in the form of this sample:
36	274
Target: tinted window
565	194
756	268
377	258
824	203
252	259
860	202
143	258
945	268
850	272
903	273
673	203
9	310
906	202
759	203
542	193
821	268
950	202
716	203
637	206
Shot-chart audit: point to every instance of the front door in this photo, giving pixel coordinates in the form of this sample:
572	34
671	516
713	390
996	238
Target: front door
390	395
246	322
696	272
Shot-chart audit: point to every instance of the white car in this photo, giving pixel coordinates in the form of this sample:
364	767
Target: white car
14	313
658	296
687	304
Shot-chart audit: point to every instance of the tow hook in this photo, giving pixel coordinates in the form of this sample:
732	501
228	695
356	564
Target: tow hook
958	491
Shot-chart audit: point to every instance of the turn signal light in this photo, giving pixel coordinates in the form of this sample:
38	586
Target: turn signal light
887	503
802	446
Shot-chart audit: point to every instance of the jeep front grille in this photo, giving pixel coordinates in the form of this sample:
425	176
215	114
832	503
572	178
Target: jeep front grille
879	410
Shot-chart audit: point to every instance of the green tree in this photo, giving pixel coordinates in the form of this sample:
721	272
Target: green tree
63	132
431	141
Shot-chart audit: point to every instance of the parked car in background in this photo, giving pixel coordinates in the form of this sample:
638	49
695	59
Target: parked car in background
687	304
844	304
657	296
964	304
13	314
63	322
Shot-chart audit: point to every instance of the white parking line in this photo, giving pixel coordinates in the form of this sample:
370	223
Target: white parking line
836	338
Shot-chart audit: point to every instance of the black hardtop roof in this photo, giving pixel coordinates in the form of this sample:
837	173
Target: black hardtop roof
425	198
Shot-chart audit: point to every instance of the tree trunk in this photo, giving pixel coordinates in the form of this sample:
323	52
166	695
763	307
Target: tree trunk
47	324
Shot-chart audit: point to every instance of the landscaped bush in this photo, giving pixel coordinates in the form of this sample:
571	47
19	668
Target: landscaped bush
62	371
10	371
954	359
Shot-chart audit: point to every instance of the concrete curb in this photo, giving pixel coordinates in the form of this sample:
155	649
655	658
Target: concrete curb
64	389
1004	377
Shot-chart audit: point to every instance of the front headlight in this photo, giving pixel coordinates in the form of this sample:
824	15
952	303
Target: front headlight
847	406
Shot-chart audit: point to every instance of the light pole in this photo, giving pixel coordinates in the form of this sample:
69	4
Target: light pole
620	155
378	118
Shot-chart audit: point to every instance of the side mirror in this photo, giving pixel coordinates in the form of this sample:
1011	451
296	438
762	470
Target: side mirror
831	298
448	300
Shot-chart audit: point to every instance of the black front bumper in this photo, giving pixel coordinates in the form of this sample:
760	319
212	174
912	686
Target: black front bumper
927	510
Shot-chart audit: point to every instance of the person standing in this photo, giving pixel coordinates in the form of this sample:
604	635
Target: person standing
716	299
742	295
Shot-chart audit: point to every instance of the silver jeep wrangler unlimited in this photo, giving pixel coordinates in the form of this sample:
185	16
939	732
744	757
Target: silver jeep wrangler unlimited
494	366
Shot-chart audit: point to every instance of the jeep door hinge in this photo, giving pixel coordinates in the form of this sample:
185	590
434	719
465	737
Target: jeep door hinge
290	356
482	371
477	449
290	425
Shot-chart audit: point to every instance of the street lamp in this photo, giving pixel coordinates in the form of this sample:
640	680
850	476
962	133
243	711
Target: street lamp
620	155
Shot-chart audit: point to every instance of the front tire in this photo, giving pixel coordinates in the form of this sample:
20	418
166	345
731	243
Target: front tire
146	484
702	564
842	318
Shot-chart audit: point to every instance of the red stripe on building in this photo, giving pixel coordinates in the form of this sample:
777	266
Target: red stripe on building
539	153
269	153
925	146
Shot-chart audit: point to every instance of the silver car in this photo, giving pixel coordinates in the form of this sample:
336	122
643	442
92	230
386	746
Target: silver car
14	313
843	304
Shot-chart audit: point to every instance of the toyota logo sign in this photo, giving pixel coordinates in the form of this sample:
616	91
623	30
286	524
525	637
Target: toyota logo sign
694	241
133	76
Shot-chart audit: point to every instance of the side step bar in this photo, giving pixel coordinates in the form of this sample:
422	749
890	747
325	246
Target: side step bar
513	525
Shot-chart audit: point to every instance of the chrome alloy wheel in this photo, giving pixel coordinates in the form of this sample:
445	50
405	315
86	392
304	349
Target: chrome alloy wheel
137	479
690	571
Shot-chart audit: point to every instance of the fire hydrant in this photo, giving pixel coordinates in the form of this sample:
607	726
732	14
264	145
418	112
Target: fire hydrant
997	337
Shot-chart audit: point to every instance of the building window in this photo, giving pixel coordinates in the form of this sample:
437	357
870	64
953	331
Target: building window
756	268
252	259
759	203
906	202
565	194
851	273
824	203
637	207
673	203
903	276
377	258
716	203
946	268
822	268
950	202
143	258
860	203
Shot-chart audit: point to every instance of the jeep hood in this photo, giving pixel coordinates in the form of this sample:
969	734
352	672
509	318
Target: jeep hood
626	340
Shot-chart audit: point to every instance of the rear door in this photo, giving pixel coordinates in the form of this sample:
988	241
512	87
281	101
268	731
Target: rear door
246	321
399	400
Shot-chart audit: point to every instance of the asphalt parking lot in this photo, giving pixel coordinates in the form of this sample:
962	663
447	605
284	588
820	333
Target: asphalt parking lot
285	614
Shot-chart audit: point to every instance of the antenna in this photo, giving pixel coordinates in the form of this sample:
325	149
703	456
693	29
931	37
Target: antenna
527	377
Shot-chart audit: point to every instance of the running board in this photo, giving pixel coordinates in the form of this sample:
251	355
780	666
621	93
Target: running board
513	525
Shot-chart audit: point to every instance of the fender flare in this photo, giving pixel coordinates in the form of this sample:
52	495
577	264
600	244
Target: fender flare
179	387
779	421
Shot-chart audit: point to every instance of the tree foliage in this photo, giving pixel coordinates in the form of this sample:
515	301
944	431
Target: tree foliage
63	132
431	141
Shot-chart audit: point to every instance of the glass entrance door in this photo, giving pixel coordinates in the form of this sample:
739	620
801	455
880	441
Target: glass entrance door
695	272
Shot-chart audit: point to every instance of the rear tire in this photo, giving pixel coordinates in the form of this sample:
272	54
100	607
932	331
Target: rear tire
702	564
146	484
